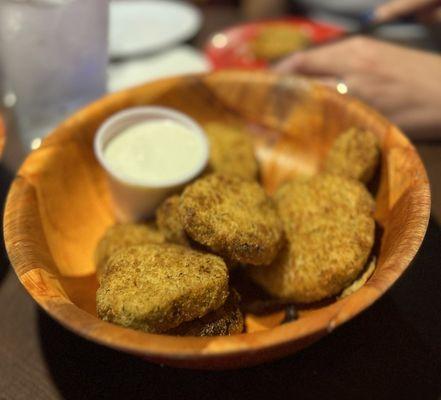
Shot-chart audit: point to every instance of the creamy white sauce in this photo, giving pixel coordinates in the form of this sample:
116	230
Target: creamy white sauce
155	152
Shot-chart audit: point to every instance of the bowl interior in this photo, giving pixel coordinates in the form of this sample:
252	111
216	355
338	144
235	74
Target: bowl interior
59	205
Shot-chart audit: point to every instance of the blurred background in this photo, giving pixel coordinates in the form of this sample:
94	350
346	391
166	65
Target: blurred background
57	55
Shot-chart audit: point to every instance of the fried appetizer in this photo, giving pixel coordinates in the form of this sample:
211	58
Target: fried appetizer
324	194
226	320
169	222
233	217
120	236
324	257
330	233
157	287
276	41
231	152
354	154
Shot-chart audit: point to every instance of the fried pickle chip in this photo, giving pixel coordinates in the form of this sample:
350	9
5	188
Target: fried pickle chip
169	222
226	320
124	235
276	41
330	233
233	217
354	154
231	152
323	194
324	257
157	287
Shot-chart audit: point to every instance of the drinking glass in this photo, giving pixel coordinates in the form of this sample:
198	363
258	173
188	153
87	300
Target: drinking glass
53	59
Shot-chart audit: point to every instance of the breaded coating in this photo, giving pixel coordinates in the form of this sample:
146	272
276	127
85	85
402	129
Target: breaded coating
226	320
326	194
276	41
361	280
233	217
157	287
324	257
169	222
354	154
120	236
330	232
231	151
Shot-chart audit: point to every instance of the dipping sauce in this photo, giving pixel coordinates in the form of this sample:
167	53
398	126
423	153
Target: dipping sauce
155	152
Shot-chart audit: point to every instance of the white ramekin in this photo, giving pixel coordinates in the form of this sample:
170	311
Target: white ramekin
133	200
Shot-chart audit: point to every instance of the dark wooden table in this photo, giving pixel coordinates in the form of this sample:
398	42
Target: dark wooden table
393	350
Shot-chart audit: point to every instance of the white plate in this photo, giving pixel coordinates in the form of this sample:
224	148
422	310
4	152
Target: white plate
179	60
143	26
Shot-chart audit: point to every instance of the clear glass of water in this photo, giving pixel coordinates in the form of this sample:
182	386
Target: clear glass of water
53	60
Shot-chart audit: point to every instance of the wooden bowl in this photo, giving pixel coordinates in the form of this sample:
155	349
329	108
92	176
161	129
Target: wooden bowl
58	207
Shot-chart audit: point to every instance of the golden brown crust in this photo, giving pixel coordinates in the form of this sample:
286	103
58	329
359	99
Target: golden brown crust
157	287
319	261
120	236
354	154
233	217
323	194
361	280
226	320
169	222
330	232
232	150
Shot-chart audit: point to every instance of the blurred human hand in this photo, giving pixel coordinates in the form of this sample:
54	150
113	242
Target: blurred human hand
426	10
402	83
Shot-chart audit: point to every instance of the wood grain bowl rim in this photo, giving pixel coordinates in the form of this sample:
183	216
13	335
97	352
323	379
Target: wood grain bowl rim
214	352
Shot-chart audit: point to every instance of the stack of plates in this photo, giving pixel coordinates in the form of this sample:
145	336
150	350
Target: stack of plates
144	38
